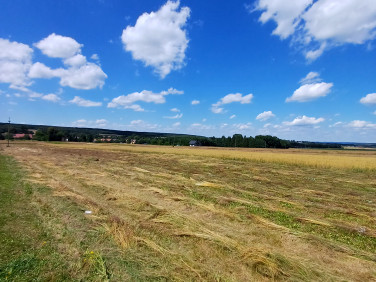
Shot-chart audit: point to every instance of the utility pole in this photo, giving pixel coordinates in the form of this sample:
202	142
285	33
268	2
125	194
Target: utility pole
8	131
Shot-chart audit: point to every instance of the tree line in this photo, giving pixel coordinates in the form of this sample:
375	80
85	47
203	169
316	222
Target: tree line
237	140
45	133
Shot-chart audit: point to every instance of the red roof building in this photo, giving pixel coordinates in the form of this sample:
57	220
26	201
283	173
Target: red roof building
21	135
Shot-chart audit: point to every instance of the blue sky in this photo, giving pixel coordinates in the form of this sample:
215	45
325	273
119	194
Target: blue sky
301	69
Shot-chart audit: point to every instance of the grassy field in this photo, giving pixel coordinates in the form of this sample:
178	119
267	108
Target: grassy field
186	214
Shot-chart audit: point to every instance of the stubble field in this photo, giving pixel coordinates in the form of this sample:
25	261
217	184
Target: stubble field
190	214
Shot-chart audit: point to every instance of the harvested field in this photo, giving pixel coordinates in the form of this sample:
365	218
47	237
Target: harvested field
163	213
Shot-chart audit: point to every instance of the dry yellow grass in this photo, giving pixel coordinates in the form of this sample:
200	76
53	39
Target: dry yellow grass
215	214
364	160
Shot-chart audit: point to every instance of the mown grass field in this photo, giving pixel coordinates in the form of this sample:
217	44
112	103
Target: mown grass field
186	214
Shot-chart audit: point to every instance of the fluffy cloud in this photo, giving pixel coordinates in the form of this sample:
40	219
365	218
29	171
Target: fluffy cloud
265	115
84	103
15	62
95	57
312	90
34	95
309	92
135	107
369	99
361	124
217	110
195	102
75	61
79	73
51	97
57	46
172	91
39	70
329	20
127	101
175	110
323	23
87	76
304	120
158	38
286	14
242	126
233	116
231	98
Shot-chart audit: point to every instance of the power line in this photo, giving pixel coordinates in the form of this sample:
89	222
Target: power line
8	132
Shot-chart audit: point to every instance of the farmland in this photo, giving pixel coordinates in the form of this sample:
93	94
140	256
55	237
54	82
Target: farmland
179	213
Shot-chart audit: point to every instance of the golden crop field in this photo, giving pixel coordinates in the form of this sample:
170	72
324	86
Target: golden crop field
351	159
201	214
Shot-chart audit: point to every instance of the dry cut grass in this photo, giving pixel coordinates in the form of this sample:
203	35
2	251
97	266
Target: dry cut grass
211	215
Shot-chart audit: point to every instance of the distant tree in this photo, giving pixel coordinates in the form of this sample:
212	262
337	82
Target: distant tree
41	135
53	134
10	136
24	129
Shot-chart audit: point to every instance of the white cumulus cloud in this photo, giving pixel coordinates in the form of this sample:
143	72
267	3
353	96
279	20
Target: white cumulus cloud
361	124
79	74
159	39
322	23
369	99
39	70
304	120
175	110
195	102
51	97
264	116
310	90
127	101
230	98
286	14
75	61
242	126
88	76
57	46
15	62
135	107
84	103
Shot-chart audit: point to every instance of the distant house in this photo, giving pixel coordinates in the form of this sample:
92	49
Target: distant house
194	143
22	136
